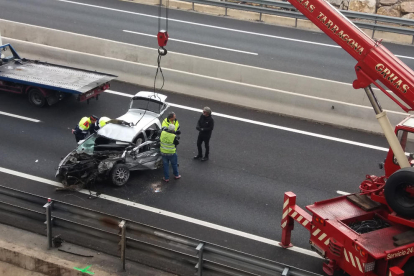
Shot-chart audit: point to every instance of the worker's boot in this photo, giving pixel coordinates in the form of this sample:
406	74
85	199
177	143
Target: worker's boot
197	157
205	158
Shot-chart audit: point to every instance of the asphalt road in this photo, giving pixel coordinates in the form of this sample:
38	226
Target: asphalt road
251	166
241	187
264	44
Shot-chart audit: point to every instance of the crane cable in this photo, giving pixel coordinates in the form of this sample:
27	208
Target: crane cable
162	38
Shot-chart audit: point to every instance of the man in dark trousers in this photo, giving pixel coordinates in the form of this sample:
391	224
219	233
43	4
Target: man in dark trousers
205	127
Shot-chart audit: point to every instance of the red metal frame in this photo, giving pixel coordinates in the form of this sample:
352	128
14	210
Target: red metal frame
94	93
374	61
333	239
330	234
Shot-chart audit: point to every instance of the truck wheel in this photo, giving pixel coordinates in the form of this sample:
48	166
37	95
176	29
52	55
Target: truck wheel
408	268
120	175
397	192
36	97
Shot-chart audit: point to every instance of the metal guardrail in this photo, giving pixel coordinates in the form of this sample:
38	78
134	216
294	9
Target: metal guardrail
136	242
291	12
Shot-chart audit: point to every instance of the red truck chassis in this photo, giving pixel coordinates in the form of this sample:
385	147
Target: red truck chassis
370	233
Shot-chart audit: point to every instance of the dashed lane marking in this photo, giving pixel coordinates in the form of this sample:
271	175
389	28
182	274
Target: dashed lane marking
194	43
166	213
268	125
19	117
214	27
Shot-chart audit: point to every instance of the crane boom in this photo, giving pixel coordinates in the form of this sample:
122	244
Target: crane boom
374	61
390	197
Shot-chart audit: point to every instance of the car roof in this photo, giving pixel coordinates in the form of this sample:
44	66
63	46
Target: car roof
151	95
126	133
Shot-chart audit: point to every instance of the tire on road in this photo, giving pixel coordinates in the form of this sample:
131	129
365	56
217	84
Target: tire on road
120	175
36	97
396	195
408	268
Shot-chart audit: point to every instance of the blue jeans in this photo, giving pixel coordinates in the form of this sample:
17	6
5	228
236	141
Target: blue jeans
166	159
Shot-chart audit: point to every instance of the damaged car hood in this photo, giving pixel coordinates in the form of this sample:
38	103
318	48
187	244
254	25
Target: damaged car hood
118	133
138	118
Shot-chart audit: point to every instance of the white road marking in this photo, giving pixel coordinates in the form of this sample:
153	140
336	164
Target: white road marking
342	193
404	57
20	117
215	27
269	125
194	43
166	213
203	25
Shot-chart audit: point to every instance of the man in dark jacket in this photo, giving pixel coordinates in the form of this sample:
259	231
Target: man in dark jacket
205	126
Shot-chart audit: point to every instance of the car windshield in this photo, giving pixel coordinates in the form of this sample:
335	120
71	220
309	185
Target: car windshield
97	143
144	104
88	145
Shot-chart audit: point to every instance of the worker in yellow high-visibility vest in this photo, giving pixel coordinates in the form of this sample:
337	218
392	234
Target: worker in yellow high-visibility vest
81	130
169	141
172	119
100	123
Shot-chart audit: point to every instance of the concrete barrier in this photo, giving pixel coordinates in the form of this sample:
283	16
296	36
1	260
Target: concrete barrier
304	106
209	9
33	260
285	93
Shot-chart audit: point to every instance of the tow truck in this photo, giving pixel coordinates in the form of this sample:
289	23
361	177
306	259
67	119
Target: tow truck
370	232
46	83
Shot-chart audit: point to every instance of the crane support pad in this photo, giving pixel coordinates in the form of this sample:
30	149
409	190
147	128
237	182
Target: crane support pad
364	202
52	76
404	238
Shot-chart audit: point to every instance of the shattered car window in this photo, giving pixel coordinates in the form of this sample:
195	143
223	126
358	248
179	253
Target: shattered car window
88	145
146	105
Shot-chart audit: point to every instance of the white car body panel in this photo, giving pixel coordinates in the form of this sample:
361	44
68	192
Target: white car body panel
140	119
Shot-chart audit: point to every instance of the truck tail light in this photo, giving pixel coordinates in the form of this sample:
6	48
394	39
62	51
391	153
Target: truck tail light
320	220
361	250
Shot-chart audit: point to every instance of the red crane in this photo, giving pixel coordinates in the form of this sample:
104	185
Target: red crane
372	232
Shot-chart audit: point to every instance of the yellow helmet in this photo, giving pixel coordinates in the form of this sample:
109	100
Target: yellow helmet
103	121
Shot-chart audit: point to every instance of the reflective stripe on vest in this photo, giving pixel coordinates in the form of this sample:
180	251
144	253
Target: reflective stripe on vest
167	122
103	121
84	123
167	142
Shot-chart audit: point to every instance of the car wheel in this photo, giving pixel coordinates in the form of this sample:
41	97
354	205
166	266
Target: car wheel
398	192
139	141
36	97
120	174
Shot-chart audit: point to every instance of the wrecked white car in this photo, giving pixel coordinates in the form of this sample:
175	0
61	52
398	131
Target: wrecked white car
131	142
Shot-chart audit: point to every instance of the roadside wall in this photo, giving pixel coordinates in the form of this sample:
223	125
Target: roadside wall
290	94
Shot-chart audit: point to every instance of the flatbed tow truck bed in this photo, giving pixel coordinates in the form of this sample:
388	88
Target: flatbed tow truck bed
52	76
47	82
